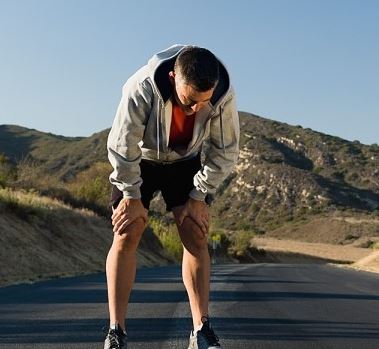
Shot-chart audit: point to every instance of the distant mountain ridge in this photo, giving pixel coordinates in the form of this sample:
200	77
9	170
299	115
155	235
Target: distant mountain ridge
62	156
284	172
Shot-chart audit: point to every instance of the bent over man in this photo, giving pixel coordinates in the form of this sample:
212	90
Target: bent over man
169	107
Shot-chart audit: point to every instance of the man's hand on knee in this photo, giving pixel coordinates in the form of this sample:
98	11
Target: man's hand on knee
127	211
198	211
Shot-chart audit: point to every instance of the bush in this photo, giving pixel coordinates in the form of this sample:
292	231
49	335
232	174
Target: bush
30	175
375	245
92	185
241	244
168	237
7	172
89	189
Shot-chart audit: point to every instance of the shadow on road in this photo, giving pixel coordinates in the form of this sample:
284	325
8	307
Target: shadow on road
56	294
72	331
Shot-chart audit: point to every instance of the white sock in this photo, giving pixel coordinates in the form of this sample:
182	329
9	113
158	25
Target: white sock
113	327
198	328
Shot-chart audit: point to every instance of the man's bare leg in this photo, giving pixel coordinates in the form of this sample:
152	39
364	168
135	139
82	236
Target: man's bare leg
195	266
121	270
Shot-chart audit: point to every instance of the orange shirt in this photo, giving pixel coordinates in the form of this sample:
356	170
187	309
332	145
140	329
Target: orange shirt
181	129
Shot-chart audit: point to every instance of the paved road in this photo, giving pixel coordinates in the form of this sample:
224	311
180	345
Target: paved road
265	306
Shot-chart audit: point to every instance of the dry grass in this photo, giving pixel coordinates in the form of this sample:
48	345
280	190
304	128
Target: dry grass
42	238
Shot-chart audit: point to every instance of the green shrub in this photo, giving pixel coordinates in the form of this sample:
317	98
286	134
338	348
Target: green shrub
375	245
92	185
7	172
168	236
241	243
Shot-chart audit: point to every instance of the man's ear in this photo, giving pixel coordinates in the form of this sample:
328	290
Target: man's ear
171	76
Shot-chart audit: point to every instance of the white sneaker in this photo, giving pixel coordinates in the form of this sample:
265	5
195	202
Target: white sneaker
204	338
115	338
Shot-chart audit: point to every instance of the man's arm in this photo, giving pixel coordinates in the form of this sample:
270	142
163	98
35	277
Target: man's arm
124	152
221	156
127	131
217	165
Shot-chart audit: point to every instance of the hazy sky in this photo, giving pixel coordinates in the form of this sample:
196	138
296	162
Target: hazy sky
313	63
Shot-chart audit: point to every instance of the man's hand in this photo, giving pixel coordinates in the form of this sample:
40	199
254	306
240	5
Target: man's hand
126	212
198	211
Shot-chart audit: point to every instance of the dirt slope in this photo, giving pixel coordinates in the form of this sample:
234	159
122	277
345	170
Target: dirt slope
291	251
369	263
42	238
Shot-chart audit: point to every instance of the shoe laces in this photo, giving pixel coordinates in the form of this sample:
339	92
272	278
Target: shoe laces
208	332
114	337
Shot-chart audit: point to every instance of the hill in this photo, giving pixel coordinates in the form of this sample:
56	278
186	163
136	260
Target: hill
62	156
286	173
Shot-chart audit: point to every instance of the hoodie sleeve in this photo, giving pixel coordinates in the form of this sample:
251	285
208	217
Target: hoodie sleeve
223	151
127	131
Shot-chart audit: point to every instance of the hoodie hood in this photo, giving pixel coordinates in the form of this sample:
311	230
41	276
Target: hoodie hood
159	67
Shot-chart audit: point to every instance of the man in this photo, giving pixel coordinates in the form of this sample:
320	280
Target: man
168	108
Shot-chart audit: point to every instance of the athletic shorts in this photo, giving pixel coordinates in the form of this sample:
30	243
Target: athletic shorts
174	180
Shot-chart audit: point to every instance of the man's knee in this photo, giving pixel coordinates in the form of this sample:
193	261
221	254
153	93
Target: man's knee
193	238
131	236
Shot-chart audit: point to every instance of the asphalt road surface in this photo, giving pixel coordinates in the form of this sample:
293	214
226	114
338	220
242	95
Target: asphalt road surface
265	306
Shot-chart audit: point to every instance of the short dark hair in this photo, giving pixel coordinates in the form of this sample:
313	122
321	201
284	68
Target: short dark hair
199	67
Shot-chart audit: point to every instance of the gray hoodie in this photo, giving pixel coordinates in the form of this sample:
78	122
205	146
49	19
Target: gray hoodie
141	129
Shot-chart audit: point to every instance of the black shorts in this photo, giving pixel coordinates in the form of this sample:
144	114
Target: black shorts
174	180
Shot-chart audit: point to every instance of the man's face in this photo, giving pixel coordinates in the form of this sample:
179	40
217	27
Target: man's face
189	99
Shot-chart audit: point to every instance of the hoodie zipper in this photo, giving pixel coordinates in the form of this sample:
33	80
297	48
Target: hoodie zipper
160	133
222	129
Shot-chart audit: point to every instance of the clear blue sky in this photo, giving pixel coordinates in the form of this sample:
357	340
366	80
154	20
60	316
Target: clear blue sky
313	63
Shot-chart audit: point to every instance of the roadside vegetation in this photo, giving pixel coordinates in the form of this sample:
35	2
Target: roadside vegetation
374	245
26	187
89	188
168	237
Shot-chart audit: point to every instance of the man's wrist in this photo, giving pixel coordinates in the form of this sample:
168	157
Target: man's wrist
195	201
196	194
132	194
